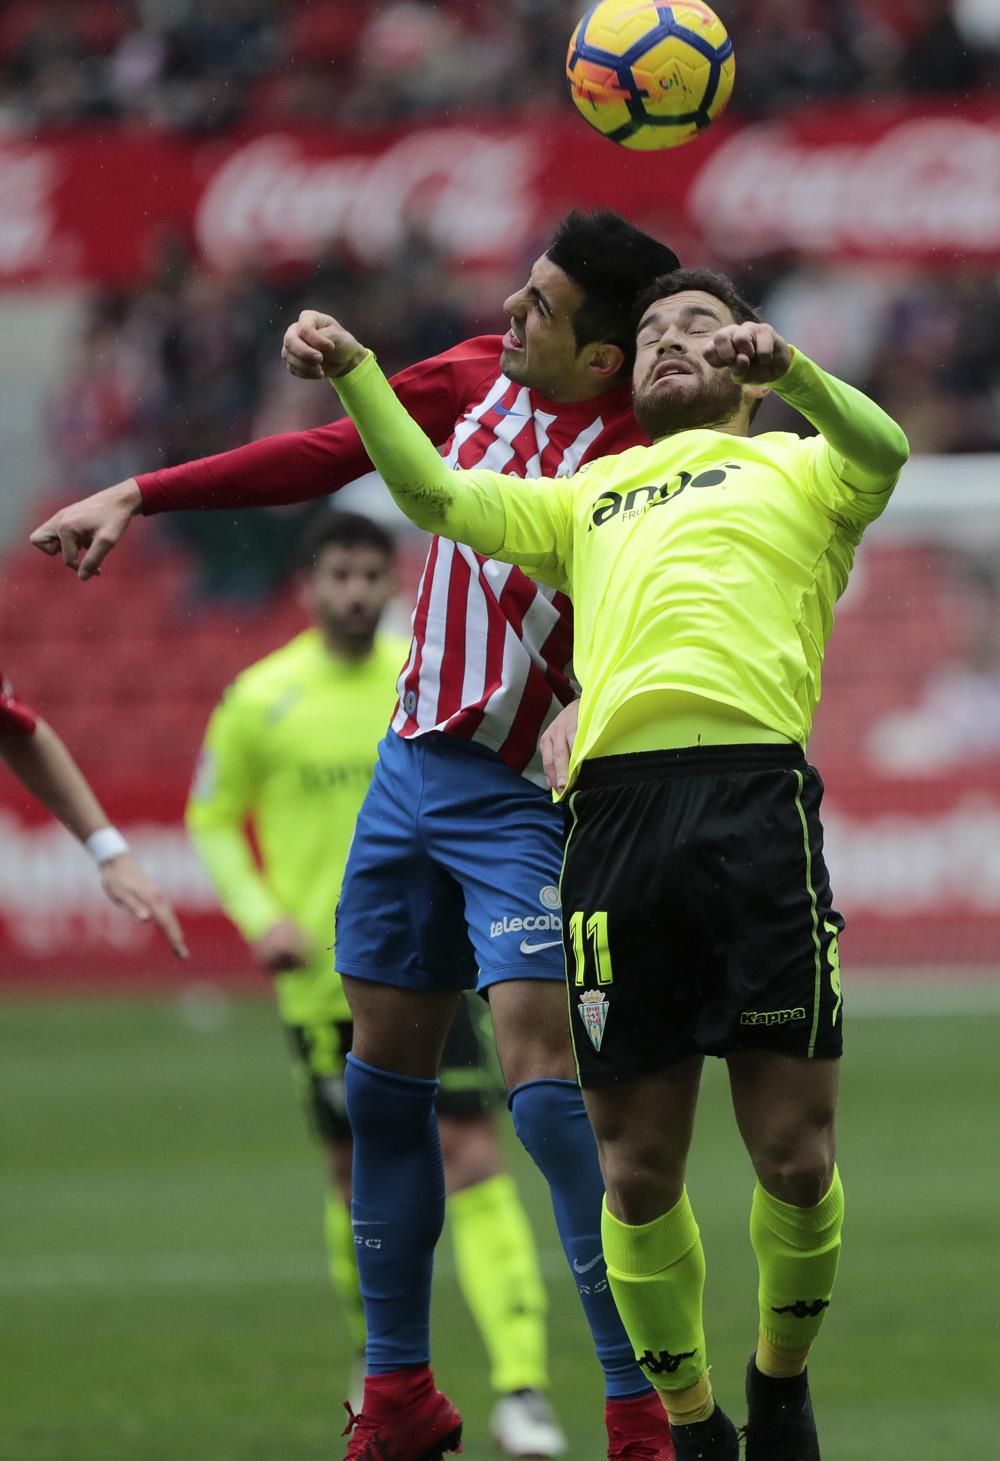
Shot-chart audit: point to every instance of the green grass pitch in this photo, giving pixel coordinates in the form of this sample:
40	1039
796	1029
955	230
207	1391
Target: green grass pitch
162	1288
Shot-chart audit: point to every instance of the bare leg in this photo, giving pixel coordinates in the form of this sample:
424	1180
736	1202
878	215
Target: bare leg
643	1129
786	1111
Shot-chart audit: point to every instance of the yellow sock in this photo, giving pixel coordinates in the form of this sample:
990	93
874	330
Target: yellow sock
497	1264
798	1249
343	1267
657	1275
687	1407
779	1363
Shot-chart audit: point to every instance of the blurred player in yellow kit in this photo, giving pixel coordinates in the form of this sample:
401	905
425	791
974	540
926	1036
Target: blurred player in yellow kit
290	751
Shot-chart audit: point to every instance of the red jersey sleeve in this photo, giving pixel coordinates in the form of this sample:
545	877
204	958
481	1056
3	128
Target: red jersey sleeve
301	465
15	718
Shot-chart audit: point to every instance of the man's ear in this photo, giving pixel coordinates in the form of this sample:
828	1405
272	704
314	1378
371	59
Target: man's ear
607	360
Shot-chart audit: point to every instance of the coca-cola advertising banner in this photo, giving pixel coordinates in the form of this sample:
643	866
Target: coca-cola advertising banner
915	868
875	182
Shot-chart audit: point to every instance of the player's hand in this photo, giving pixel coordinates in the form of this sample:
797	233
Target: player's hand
86	531
128	887
284	946
318	346
754	354
557	743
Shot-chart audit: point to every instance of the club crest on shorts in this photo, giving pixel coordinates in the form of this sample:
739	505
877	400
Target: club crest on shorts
593	1009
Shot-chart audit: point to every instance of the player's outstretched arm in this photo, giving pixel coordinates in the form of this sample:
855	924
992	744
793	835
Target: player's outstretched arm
868	446
42	763
407	461
86	531
499	516
294	466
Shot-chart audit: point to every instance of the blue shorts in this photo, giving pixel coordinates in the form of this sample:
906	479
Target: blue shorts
454	868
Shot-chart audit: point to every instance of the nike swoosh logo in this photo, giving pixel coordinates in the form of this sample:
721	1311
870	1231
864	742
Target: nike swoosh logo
527	948
503	411
586	1267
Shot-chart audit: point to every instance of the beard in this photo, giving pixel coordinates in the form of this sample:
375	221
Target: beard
354	632
715	402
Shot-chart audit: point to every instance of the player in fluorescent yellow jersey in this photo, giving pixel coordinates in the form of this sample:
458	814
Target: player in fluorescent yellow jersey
704	570
290	751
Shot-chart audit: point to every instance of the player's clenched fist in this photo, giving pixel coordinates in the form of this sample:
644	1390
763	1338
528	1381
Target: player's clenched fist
86	531
317	345
755	354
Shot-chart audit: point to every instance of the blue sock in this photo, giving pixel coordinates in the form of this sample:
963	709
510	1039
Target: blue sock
397	1211
551	1122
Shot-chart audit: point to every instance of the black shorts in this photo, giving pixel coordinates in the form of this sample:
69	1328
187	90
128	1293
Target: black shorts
696	910
470	1077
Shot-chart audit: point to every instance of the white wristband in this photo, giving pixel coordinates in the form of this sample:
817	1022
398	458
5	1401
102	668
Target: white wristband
105	843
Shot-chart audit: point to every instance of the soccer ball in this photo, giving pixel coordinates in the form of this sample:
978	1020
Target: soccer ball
650	73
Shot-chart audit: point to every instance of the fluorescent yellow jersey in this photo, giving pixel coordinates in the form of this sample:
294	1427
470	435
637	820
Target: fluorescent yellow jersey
290	750
704	566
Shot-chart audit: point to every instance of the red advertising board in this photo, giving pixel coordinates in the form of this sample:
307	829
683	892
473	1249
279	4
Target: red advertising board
915	867
879	182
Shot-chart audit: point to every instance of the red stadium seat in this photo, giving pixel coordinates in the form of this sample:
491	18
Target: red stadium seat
327	30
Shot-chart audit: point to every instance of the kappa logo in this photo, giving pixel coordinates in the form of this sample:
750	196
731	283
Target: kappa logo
631	504
772	1017
665	1363
803	1310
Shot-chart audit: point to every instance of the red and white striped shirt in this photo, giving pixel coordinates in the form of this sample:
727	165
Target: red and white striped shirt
491	655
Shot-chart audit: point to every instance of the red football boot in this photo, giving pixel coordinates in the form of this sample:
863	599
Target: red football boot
403	1418
638	1429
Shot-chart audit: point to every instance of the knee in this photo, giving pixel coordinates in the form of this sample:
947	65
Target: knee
551	1124
641	1182
539	1055
796	1165
532	1032
385	1108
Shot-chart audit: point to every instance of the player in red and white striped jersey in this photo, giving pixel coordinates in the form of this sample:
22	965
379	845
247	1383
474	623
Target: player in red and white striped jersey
491	651
456	859
30	748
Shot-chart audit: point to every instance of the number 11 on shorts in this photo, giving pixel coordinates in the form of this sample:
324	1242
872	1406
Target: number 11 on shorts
592	932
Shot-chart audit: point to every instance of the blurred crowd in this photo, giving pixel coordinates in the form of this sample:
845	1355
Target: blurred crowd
190	365
202	68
